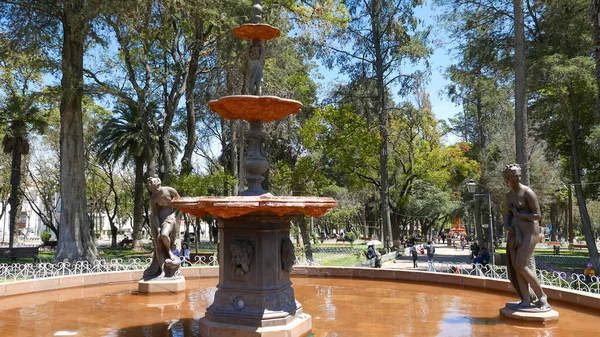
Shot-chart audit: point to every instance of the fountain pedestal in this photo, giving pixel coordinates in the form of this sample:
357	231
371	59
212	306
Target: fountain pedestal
168	285
254	296
530	318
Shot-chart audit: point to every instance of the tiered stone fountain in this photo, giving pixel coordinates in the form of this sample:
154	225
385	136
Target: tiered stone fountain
254	296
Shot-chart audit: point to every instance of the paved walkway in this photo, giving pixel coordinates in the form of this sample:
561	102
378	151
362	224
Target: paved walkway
443	253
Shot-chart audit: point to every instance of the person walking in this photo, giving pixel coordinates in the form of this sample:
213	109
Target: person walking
430	254
413	253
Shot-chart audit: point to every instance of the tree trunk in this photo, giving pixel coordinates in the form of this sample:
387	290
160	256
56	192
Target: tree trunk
596	23
186	160
478	224
138	203
520	94
383	125
15	181
571	229
305	233
583	212
75	240
553	220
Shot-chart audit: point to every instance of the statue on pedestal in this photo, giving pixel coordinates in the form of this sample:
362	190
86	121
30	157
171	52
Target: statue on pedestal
256	62
164	228
522	224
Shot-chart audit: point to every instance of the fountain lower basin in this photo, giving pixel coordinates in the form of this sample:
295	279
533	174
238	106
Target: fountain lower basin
339	306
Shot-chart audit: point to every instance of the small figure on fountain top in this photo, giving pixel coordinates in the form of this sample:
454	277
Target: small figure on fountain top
256	62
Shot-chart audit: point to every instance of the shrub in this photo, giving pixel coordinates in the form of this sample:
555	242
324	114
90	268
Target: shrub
45	236
315	237
350	236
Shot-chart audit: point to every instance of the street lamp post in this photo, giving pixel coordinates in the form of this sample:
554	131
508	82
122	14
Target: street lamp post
472	188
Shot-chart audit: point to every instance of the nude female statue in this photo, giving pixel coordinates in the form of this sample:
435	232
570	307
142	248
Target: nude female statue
522	223
164	228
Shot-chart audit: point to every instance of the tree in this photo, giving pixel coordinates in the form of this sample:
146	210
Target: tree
381	37
20	90
595	18
122	138
66	23
520	94
566	103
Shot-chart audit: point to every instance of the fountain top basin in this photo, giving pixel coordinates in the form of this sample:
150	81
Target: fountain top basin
230	207
256	31
254	108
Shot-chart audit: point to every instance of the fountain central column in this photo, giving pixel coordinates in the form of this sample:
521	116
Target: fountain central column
254	296
255	163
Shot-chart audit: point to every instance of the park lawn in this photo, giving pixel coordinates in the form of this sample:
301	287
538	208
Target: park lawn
563	252
345	260
124	253
43	255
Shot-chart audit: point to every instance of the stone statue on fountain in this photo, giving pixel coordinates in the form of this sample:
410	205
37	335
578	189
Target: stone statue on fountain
522	224
256	63
164	228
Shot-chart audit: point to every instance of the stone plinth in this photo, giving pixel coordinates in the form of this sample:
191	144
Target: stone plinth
299	327
172	285
530	317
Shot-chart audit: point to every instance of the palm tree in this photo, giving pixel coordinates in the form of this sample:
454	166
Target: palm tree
122	138
22	117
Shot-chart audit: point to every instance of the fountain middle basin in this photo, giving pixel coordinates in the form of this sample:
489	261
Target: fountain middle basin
339	306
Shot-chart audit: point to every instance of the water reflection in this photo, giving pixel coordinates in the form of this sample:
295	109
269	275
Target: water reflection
339	307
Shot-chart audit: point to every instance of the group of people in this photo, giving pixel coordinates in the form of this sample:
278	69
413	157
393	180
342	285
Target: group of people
479	254
184	253
430	254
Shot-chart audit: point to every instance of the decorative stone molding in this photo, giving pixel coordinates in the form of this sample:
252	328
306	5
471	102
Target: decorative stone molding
287	254
241	256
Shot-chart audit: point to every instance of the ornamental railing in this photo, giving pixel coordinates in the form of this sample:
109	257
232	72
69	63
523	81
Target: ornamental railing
560	279
10	272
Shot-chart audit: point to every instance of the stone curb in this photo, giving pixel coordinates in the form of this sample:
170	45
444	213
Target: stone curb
554	293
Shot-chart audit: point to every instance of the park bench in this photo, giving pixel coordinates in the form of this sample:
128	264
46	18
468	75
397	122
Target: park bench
342	240
20	252
125	242
580	246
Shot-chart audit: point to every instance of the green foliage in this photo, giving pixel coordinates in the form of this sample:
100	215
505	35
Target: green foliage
350	236
315	237
45	236
346	142
192	185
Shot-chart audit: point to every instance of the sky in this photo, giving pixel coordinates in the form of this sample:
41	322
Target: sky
441	59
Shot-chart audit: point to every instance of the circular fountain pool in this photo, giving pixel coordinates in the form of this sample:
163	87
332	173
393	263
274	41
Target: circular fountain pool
339	307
